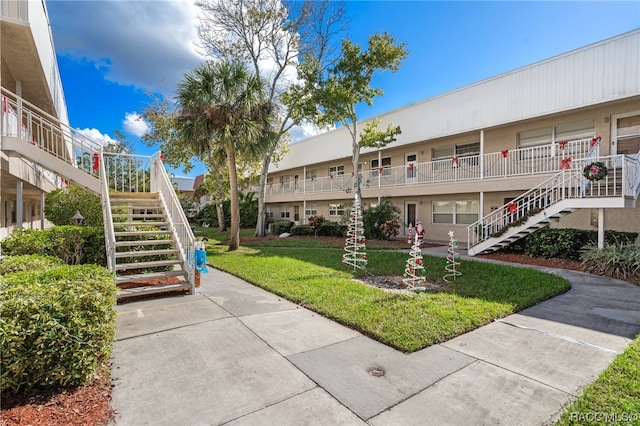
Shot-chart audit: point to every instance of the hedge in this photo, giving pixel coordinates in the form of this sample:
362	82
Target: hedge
27	262
302	230
281	226
565	243
72	244
57	326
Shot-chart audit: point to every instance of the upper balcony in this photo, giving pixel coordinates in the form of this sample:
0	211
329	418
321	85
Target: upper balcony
29	55
505	164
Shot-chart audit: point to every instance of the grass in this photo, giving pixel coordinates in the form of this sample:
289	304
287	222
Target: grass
614	398
318	280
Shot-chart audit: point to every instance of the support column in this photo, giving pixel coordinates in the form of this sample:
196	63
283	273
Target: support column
42	210
481	156
600	228
19	204
304	211
481	208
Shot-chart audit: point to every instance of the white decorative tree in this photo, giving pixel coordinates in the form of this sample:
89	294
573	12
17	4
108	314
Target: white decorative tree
452	269
355	249
414	272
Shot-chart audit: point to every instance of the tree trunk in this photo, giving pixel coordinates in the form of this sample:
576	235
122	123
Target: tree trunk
234	233
355	156
261	226
222	226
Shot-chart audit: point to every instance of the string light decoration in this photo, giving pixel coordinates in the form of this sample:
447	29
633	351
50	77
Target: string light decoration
452	268
414	272
355	249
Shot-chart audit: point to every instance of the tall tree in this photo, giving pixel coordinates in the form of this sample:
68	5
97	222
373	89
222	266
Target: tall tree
270	36
223	107
334	96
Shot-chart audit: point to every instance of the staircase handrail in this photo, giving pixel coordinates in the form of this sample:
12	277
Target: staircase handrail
42	129
109	231
161	184
568	183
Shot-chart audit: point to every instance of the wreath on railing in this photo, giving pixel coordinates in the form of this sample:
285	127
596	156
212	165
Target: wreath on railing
595	171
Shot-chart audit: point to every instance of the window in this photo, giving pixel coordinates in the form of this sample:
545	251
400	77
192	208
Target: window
268	211
284	213
460	150
311	174
455	212
311	210
336	209
578	130
385	163
336	170
269	181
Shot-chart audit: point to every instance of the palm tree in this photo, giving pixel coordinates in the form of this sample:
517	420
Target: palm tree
224	109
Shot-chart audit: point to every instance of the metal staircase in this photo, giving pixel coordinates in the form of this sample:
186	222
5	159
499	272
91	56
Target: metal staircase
149	242
554	198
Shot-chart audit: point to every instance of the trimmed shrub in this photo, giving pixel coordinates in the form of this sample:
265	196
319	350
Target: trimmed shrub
27	262
332	229
302	230
565	243
61	204
281	226
72	244
57	326
316	222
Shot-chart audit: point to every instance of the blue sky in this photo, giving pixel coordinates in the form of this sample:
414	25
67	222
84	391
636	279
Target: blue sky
113	54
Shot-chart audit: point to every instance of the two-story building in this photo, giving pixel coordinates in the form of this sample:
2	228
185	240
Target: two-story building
29	76
466	153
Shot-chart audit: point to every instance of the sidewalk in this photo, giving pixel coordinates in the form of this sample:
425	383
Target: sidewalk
236	354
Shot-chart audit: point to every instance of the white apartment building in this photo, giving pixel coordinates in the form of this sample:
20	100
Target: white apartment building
472	152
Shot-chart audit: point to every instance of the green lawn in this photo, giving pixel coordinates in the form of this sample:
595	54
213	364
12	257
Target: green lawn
614	398
317	279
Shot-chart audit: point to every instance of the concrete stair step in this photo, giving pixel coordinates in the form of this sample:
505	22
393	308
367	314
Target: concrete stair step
147	290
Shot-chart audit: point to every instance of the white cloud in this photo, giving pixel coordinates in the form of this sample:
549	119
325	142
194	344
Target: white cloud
147	44
134	124
305	130
97	136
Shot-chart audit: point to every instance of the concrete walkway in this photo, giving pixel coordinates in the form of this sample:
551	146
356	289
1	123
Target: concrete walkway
235	354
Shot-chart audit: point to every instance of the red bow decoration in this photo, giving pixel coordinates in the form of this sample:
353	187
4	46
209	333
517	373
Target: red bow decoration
96	161
161	156
353	174
312	179
512	208
505	153
64	182
454	161
331	177
411	166
563	144
5	107
595	141
380	170
565	163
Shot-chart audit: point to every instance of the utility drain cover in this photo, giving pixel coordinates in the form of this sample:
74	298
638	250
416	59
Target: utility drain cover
376	372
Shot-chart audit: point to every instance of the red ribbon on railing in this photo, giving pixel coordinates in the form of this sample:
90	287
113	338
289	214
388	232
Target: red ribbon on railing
512	208
565	163
563	144
161	156
505	153
454	161
411	167
96	161
5	107
331	177
380	170
353	174
595	141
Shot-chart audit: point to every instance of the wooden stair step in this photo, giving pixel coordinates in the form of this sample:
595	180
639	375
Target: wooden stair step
141	253
142	223
150	276
153	289
150	264
142	216
138	233
143	243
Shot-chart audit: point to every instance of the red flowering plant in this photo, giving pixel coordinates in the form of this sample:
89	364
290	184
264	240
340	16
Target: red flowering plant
595	171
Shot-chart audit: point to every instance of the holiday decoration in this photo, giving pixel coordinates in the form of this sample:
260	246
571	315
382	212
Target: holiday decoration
420	232
565	163
594	141
414	273
505	153
454	162
355	249
452	269
563	144
595	171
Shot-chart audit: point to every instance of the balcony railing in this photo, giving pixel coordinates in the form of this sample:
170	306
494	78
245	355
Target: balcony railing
508	163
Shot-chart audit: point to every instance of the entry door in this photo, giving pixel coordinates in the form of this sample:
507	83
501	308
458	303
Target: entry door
410	209
626	131
412	167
